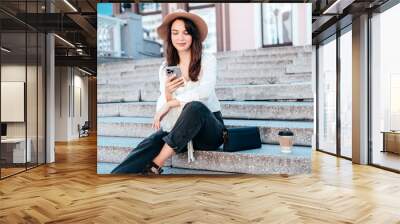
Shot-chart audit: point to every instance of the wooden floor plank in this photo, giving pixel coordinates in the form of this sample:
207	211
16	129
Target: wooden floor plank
70	191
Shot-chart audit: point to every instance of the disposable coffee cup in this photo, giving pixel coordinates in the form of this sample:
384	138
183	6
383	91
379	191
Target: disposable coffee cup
286	140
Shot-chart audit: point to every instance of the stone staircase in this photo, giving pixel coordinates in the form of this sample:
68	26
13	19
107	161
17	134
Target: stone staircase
268	88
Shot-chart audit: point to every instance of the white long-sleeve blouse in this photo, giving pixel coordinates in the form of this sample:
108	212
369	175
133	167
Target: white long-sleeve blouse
202	90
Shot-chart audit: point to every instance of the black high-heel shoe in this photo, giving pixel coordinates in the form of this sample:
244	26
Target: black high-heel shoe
152	169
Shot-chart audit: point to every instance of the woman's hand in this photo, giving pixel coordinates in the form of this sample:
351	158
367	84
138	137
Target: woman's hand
159	115
172	83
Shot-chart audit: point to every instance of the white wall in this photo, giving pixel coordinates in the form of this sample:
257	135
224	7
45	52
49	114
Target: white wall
80	83
12	73
243	31
67	115
33	126
12	101
61	103
245	25
302	26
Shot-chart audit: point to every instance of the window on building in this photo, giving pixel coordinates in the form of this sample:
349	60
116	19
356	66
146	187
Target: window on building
276	24
151	19
149	7
207	12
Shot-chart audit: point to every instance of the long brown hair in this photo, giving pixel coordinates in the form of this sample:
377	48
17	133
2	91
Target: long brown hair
195	49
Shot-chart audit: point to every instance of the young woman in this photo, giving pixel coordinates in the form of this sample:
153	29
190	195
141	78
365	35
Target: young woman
188	112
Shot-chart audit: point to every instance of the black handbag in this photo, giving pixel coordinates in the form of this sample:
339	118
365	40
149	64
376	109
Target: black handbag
237	139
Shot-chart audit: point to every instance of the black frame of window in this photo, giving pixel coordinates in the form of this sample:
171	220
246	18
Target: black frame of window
44	101
188	7
334	37
262	31
155	12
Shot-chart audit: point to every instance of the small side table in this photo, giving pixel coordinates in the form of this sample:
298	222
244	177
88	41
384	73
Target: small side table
391	141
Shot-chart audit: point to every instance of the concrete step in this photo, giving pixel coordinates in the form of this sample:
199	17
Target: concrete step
289	60
291	91
128	92
266	160
267	110
269	60
285	87
113	73
257	55
230	109
250	57
273	52
131	77
274	66
106	168
106	95
150	92
265	80
128	65
141	127
115	149
226	76
224	70
262	68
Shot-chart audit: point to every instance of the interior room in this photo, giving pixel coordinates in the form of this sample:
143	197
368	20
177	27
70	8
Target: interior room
46	82
22	98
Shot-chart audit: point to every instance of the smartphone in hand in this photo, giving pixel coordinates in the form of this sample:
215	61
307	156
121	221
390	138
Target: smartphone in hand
173	70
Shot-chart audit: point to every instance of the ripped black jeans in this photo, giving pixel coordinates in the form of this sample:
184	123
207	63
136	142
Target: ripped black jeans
196	122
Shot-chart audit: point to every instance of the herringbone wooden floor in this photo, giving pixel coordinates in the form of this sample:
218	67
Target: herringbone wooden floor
70	191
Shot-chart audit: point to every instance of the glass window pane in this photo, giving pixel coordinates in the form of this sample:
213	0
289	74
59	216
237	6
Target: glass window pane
150	24
31	87
41	99
31	101
13	85
199	4
208	14
149	7
22	52
327	97
385	85
346	94
277	23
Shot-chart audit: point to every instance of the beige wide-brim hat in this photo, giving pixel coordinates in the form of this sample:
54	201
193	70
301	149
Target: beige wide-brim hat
162	30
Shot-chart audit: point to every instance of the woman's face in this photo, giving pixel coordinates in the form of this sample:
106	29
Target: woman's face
181	39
